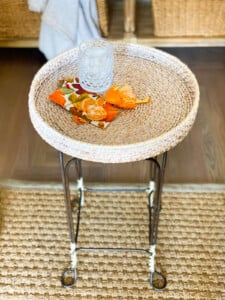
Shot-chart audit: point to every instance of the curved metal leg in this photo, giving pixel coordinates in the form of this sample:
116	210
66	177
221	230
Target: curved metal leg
157	280
69	276
80	182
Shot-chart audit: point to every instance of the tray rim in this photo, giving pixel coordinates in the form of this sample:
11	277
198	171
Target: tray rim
94	152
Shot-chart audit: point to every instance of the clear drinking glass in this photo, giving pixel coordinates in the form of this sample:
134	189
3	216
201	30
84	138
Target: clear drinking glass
95	65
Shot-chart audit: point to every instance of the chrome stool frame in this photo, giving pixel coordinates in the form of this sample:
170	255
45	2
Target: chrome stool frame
154	191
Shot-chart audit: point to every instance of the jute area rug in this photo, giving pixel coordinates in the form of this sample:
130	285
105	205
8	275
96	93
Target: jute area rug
34	244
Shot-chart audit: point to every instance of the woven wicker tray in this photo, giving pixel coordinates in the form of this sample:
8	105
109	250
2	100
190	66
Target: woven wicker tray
146	131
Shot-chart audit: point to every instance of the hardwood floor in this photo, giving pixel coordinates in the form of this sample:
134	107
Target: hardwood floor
199	158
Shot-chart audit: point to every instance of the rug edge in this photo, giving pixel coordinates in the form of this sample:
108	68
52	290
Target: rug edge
167	187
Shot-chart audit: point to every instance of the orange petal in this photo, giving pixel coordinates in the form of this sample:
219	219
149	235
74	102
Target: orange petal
128	102
100	101
96	113
112	96
85	104
58	98
79	120
112	112
145	100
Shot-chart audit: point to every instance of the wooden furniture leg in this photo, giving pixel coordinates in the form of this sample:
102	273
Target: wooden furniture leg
129	15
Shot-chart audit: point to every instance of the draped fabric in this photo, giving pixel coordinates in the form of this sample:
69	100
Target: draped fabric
65	24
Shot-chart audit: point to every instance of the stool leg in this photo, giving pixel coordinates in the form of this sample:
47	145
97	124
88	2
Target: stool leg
80	182
152	183
157	280
129	15
69	276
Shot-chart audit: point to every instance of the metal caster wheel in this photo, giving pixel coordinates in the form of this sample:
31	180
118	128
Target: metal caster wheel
69	278
157	281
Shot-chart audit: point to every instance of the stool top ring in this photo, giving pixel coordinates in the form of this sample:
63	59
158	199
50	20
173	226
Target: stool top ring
146	131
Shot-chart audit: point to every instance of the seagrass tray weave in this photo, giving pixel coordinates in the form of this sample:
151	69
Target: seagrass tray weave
146	131
18	22
189	17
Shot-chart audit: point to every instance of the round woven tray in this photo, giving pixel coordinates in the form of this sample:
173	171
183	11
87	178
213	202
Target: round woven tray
146	131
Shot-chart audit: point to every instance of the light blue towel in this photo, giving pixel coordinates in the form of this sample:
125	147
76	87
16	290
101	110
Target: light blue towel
65	24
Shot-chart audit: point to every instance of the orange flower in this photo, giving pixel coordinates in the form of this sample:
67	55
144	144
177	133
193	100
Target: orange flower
123	97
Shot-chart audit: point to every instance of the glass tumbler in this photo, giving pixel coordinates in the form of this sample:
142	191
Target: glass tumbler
95	65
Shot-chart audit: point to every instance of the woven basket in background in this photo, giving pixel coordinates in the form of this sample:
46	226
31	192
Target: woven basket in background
18	22
103	16
189	17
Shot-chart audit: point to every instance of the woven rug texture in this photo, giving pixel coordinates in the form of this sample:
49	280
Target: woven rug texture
34	243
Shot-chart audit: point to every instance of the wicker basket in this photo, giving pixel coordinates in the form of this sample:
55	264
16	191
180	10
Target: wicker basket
189	17
103	16
18	22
